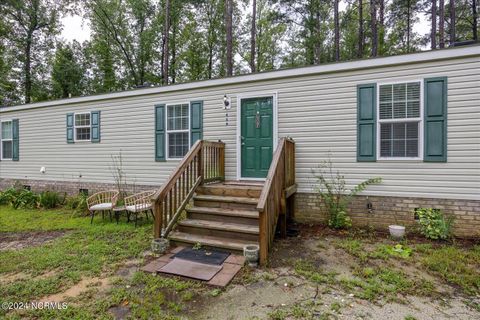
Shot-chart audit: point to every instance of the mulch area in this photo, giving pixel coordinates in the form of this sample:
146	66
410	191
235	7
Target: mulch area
21	240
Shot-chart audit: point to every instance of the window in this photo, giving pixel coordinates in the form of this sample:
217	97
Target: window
82	127
178	134
7	140
400	121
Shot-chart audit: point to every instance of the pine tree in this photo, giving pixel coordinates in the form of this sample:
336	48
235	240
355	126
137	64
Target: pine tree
441	24
433	35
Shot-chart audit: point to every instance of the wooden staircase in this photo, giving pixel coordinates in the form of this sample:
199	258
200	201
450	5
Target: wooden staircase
223	215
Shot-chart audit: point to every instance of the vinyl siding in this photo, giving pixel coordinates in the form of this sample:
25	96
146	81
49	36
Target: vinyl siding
318	111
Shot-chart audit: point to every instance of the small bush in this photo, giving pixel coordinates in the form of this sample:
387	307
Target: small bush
8	196
25	199
434	224
78	204
49	199
333	191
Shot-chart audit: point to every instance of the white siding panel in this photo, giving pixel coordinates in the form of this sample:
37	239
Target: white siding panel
318	111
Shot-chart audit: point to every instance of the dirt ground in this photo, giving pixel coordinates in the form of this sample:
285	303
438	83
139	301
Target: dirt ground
20	240
279	292
289	287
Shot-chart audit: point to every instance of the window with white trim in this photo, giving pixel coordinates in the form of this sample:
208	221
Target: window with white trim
82	126
178	130
400	120
6	137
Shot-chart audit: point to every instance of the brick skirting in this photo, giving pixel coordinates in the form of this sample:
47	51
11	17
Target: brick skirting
391	210
385	210
71	188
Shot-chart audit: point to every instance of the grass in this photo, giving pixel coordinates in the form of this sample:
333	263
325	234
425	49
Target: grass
455	265
85	251
372	283
307	269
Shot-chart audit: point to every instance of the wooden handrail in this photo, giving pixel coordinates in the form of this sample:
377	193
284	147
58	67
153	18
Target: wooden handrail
279	185
204	162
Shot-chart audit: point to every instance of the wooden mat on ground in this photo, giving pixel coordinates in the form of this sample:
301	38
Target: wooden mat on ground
191	269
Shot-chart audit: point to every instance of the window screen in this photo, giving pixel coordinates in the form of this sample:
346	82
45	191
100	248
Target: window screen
399	120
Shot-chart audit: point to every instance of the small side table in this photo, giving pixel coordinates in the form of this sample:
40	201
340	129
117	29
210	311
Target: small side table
118	210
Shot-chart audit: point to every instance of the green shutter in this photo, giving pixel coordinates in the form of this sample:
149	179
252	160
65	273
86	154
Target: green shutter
95	126
70	119
196	121
15	140
366	122
160	133
435	120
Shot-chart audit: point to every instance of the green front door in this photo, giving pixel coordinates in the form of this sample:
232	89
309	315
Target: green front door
256	136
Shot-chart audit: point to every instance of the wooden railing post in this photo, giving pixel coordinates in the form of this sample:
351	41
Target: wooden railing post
222	162
158	211
200	159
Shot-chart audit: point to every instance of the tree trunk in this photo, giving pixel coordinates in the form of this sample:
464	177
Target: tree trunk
433	35
381	32
475	20
373	13
360	29
173	63
452	23
409	27
441	23
253	35
318	43
259	58
165	47
337	31
210	60
228	25
28	69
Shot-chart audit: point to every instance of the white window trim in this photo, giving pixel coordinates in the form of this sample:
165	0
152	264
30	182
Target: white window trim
1	140
420	121
75	127
167	144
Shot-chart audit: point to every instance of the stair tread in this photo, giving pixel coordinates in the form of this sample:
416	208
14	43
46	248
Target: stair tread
219	242
245	200
234	186
220	225
225	212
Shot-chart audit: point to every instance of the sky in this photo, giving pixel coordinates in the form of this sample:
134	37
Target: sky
74	28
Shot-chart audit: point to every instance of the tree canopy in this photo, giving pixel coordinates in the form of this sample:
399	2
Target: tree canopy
137	43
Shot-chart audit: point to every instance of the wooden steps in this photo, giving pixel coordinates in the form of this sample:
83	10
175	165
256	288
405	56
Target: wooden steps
223	215
208	241
227	202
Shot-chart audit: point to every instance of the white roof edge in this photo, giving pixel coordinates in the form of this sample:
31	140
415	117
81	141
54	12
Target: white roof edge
303	71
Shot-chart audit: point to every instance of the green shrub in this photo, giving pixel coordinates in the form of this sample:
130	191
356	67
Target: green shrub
25	199
331	186
8	196
434	224
78	204
50	199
